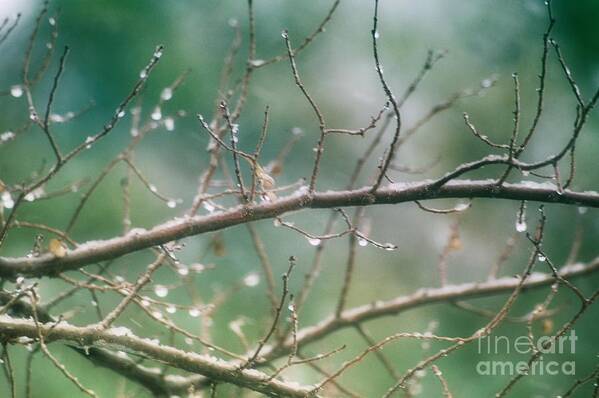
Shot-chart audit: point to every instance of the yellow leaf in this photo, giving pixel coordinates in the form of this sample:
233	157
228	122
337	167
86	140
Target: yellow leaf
57	247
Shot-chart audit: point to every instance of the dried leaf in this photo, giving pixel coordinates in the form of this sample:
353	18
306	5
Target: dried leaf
266	182
547	325
218	245
57	247
455	243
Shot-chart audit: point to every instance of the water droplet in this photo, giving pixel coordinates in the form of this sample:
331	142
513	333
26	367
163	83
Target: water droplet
120	114
33	115
183	271
157	314
169	124
198	268
389	246
521	225
188	341
377	34
89	140
166	94
7	136
251	280
542	258
257	62
525	173
462	206
160	291
486	83
143	74
158	52
171	204
16	91
314	241
35	194
297	131
171	309
582	210
156	114
208	206
56	118
145	303
7	200
52	21
362	242
194	312
153	188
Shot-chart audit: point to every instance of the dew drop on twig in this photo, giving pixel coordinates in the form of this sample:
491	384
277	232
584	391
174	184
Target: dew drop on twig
314	241
194	312
169	124
156	114
208	206
166	94
7	200
160	291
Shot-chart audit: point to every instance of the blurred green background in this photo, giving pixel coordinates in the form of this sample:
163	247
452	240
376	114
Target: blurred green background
111	42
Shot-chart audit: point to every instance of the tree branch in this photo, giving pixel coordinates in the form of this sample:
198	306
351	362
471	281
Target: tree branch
93	252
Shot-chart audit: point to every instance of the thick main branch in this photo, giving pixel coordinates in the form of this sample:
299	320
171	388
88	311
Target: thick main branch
96	251
357	315
211	367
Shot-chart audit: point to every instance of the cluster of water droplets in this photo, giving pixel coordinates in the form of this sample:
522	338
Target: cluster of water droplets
35	194
7	136
89	141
